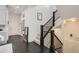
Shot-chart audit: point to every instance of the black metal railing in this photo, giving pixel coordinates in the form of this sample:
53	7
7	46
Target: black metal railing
57	44
26	33
46	28
57	16
58	39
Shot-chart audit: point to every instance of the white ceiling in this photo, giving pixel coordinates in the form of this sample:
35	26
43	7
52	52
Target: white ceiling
18	8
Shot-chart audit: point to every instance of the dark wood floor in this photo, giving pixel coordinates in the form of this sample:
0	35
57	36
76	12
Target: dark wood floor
19	46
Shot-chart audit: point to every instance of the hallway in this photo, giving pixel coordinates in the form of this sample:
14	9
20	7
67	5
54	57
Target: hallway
19	46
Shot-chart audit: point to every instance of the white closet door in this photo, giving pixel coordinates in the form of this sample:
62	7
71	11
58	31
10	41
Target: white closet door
14	24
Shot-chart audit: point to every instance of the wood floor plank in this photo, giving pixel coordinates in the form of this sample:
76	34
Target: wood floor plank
19	46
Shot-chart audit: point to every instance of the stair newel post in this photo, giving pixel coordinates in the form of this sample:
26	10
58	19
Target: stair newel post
52	35
41	37
52	49
27	34
53	19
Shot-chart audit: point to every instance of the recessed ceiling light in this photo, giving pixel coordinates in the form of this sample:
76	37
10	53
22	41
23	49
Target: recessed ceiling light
73	19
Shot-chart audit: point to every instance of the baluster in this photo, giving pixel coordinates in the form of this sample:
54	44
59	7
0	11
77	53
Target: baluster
41	37
27	34
52	48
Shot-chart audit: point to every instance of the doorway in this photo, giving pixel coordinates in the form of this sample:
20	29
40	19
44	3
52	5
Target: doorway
14	25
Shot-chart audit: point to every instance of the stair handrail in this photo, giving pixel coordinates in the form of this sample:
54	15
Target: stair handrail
58	39
57	18
49	29
51	18
48	21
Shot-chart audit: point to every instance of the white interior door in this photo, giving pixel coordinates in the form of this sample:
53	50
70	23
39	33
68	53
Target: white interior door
14	24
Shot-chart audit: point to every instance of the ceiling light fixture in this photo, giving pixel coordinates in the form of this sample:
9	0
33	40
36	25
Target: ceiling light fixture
73	19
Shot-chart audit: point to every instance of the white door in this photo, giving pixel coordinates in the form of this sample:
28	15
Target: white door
14	24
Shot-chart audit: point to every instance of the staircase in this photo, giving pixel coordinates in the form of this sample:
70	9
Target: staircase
47	37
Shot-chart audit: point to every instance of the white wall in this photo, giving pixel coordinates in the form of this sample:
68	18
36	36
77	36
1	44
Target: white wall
31	19
14	27
68	11
71	44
